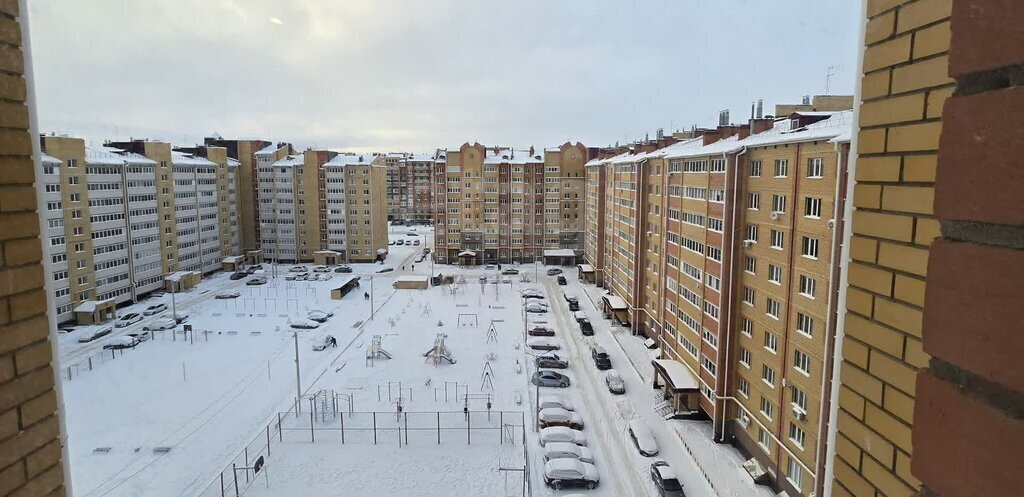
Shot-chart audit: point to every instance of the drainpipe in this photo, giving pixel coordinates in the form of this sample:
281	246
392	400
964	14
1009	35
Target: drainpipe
51	311
724	357
638	269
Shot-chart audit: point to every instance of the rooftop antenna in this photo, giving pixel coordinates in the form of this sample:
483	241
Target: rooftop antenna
828	77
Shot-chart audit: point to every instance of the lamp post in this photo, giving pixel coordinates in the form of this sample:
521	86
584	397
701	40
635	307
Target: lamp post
536	395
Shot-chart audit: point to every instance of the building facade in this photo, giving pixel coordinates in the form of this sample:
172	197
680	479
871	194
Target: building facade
409	187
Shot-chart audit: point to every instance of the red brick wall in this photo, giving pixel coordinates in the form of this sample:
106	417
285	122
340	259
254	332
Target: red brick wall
968	427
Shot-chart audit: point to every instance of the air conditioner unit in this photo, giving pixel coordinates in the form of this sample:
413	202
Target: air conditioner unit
743	421
831	224
748	243
798	412
774	215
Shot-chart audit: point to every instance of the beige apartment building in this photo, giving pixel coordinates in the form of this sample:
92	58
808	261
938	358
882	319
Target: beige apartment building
503	205
409	187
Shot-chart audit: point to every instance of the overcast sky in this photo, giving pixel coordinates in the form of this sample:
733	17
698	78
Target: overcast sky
413	75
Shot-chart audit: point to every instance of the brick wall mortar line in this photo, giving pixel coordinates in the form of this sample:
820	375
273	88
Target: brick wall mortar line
998	396
992	235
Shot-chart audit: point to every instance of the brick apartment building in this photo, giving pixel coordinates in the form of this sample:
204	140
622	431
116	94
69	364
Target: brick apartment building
409	187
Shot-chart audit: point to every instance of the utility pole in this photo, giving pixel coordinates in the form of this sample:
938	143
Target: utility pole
371	297
174	306
298	382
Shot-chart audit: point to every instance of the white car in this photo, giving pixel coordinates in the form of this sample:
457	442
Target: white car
562	473
319	316
490	267
542	343
230	294
155	309
128	320
314	277
562	434
161	324
554	416
614	382
297	269
535	307
555	401
321	269
643	438
289	277
305	324
531	289
566	450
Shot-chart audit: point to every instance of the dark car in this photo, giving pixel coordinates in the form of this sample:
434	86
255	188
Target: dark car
122	342
574	305
385	270
237	275
343	269
552	361
550	379
554	271
562	473
561	280
251	270
586	328
601	359
510	270
665	480
541	331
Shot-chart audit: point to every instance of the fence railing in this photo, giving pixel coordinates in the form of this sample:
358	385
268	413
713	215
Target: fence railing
69	371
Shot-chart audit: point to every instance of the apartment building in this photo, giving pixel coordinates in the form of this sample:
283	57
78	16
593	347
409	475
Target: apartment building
246	204
355	197
227	171
495	204
409	187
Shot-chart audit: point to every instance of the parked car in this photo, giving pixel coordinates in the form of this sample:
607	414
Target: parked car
122	342
614	382
319	316
391	242
415	242
541	331
385	270
569	297
510	271
555	400
323	344
237	275
411	233
259	280
302	277
252	270
665	480
586	328
542	343
400	242
574	306
321	269
180	318
95	335
533	296
562	434
552	361
314	277
554	271
155	309
567	450
344	268
325	277
128	320
289	277
160	324
550	379
579	316
536	307
642	438
230	294
141	336
600	356
561	280
297	269
305	324
559	417
562	473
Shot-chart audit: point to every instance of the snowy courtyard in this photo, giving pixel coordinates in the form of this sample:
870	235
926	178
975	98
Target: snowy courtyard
429	396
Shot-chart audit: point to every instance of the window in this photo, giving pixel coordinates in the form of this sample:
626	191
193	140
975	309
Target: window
753	201
710	338
809	247
708	364
755	169
748	295
781	168
796	435
775	274
767	408
804	324
76	197
815	167
714	253
778	240
79	247
799	398
716	195
750	265
771	342
768	375
764	440
751	233
715	224
711	310
801	362
745	358
793	471
807	286
772	308
779	203
812	207
744	389
747	327
714	283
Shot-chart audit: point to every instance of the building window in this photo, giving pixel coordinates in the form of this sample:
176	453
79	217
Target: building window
768	375
778	240
775	274
801	362
708	364
771	342
808	286
755	169
799	398
804	324
753	201
766	408
764	440
815	167
781	168
751	233
745	358
812	207
747	327
750	265
772	308
779	203
809	247
796	435
794	473
744	389
748	295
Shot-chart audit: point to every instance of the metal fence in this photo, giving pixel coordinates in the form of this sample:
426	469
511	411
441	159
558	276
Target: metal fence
368	428
103	356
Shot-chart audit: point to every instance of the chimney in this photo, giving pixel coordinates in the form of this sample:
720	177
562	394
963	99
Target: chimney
806	100
760	109
723	117
531	150
660	134
709	136
761	124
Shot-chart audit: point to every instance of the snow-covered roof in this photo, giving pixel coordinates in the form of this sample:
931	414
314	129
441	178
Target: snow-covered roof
615	302
179	158
559	253
510	156
177	276
269	149
342	160
678	374
412	278
586	268
48	159
421	158
233	259
92	305
233	162
781	132
467	253
110	156
290	160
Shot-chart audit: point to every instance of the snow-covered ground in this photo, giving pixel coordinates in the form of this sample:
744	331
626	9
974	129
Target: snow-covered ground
208	400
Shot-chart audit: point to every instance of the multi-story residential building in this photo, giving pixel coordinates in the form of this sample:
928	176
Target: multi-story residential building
397	184
356	206
246	186
506	205
409	187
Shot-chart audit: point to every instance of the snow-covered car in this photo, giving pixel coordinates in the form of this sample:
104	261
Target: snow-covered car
314	277
122	342
155	309
297	269
566	450
325	277
541	331
542	343
391	242
385	270
554	400
400	242
614	382
415	242
237	275
160	324
559	417
259	280
490	267
579	316
600	357
411	233
665	480
94	335
289	277
554	271
561	280
305	324
302	276
550	379
344	268
319	316
562	434
563	473
128	320
642	438
550	361
324	343
536	307
569	297
510	271
533	296
230	294
321	269
531	289
586	328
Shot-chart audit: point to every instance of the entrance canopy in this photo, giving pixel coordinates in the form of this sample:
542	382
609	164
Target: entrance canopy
585	268
614	302
234	259
559	253
676	374
467	253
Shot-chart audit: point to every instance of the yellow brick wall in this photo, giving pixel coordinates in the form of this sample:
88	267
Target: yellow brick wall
903	88
30	450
